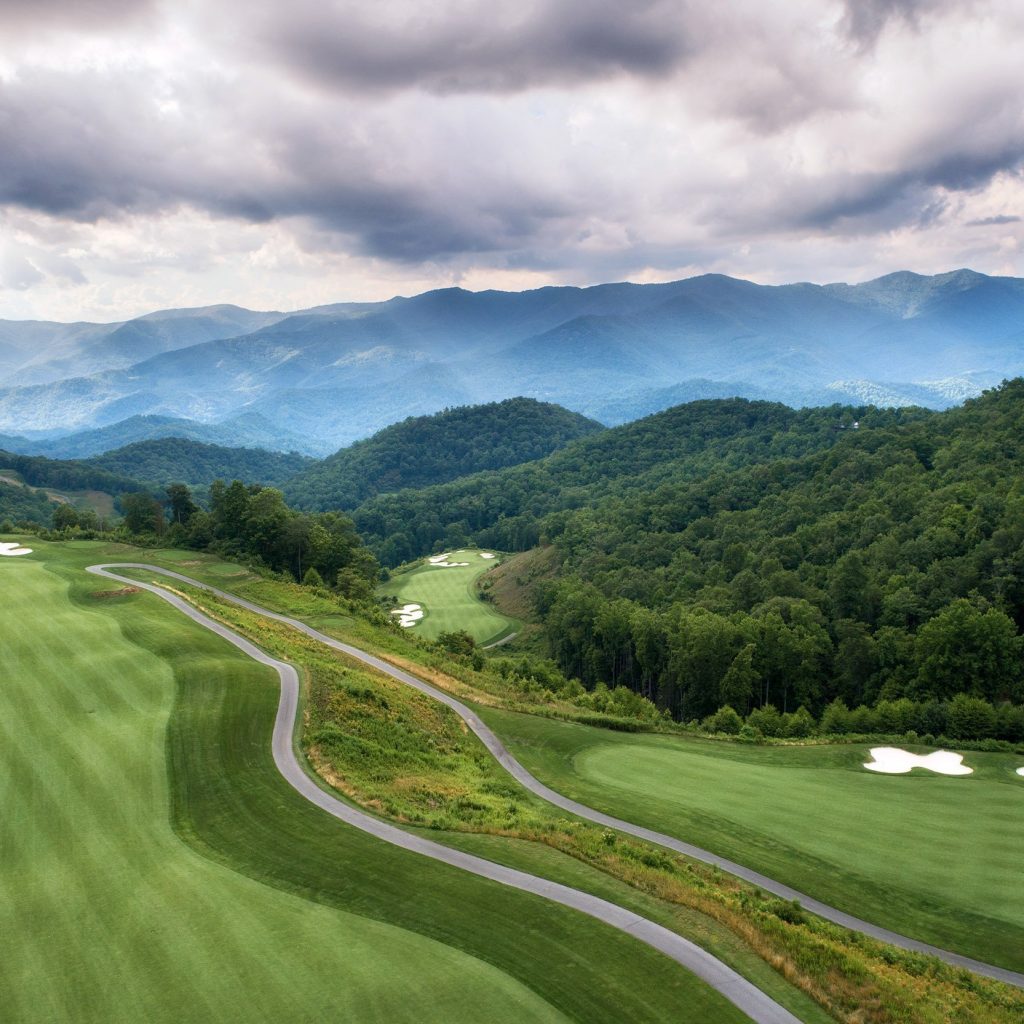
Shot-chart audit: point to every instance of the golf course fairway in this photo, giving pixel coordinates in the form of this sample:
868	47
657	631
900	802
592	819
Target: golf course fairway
934	857
124	730
449	598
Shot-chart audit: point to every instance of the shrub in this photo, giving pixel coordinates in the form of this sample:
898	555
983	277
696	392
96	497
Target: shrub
767	720
836	717
726	720
971	718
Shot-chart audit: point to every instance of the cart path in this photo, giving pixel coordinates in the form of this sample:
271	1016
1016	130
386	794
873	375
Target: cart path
518	772
740	992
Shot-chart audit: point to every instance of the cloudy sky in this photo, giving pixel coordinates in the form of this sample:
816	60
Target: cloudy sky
282	153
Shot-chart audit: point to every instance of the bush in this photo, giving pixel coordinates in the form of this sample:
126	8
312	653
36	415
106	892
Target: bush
971	718
835	719
798	724
766	720
725	720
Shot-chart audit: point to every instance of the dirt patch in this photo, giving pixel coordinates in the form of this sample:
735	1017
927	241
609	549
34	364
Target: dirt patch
101	595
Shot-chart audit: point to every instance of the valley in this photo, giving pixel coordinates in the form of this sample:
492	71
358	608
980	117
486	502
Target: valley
640	670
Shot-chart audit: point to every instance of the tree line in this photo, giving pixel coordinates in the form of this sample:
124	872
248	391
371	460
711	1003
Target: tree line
250	523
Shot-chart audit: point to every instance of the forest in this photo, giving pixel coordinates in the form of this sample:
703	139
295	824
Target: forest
742	554
425	450
165	460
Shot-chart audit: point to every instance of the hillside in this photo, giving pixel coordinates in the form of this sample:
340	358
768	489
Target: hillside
177	460
509	509
742	553
337	374
426	450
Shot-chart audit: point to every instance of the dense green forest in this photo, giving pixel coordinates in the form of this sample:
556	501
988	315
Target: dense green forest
506	509
72	475
24	505
425	450
744	554
172	459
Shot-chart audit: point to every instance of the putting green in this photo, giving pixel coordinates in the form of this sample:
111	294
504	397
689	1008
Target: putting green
449	598
927	855
125	729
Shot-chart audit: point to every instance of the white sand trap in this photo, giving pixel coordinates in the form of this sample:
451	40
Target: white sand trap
446	565
894	761
406	608
486	554
435	559
1020	771
11	549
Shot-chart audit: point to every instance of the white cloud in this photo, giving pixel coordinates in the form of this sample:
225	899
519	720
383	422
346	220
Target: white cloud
156	155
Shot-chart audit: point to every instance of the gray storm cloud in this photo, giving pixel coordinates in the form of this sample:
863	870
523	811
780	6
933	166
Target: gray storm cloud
476	47
585	140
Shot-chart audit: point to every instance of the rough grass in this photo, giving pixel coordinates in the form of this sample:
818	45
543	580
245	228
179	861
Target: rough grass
934	857
402	755
126	729
450	599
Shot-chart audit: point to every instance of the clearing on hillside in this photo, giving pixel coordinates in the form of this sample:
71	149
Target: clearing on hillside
440	595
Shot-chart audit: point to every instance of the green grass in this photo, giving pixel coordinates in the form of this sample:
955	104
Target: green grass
125	730
403	755
450	599
935	857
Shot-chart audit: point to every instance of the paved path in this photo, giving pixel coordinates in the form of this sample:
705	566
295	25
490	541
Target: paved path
515	769
747	997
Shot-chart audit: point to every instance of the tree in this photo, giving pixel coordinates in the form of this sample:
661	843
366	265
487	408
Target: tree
740	679
64	517
312	578
142	513
964	649
183	508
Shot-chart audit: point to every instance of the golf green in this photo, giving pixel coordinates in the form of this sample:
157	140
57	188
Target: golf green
124	730
931	856
448	596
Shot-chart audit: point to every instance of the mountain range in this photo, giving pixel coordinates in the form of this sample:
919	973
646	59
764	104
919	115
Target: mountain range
322	378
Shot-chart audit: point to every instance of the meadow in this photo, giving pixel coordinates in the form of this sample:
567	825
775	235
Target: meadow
935	857
450	598
155	866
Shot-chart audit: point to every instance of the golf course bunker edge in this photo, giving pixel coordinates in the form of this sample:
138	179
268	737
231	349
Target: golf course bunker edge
11	549
896	761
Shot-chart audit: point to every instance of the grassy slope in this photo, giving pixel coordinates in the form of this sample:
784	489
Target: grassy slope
108	917
933	857
402	755
85	707
449	598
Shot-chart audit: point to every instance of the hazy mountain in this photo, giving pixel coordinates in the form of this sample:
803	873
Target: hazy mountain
337	373
249	430
37	352
426	450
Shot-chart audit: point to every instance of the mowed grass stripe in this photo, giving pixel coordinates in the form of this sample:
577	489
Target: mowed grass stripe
299	957
929	856
449	598
106	916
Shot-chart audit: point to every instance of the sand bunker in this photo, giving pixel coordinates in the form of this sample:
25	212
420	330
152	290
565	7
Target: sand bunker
894	761
9	549
486	554
437	559
446	565
408	614
1020	771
